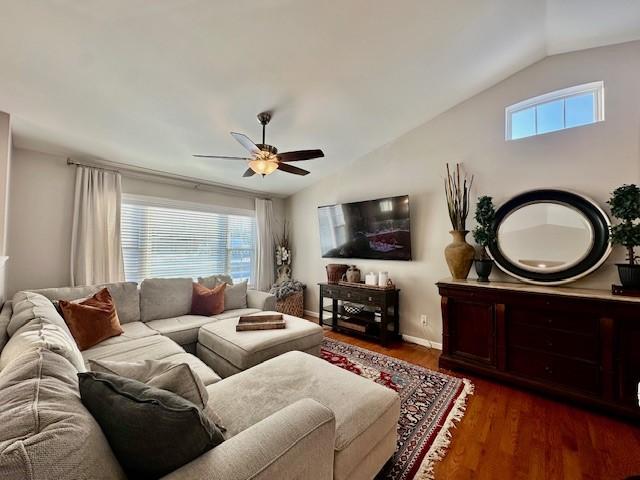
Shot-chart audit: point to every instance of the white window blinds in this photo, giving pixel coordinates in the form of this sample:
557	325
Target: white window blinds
162	238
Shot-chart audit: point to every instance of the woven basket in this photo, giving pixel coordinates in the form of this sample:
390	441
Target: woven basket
292	305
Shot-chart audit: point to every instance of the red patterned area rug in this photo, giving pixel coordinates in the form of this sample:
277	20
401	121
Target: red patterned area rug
430	404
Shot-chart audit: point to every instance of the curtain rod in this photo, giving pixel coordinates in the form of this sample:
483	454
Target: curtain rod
169	178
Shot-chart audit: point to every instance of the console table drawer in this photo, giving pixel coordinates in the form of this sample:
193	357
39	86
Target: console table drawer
352	295
549	340
570	321
550	368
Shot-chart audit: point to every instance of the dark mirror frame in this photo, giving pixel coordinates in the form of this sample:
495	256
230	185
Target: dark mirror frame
599	252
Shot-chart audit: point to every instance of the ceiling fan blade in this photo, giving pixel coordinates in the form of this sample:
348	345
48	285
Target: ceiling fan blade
291	169
300	155
245	142
248	173
222	156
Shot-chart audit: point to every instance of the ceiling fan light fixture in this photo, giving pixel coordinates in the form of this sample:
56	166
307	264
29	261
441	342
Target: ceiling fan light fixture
264	163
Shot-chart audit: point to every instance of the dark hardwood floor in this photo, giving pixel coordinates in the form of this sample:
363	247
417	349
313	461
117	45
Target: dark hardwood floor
509	433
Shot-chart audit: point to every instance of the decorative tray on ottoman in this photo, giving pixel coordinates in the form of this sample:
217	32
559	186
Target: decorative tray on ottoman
260	322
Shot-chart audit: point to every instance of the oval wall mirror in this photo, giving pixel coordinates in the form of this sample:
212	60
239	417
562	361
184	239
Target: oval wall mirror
549	237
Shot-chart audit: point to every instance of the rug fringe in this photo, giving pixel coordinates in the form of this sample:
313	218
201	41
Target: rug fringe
441	443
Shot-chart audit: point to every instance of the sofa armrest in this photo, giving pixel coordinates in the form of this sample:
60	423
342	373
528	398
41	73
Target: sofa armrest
261	300
296	442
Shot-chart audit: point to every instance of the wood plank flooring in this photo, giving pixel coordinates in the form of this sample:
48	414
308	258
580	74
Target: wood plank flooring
509	433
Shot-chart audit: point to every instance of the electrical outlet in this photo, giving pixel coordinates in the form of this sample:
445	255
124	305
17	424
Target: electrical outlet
424	320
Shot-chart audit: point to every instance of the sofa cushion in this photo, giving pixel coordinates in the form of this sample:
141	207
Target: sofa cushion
182	329
248	348
130	331
151	431
42	335
46	431
93	320
35	323
155	347
175	377
235	296
207	301
125	295
213	280
365	411
235	313
29	307
165	297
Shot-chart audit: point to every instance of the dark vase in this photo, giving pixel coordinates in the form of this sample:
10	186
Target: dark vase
629	275
483	269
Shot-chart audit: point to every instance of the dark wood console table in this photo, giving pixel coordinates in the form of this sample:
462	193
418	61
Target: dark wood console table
382	327
581	345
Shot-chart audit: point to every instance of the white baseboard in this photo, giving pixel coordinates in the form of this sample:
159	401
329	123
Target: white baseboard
422	341
407	338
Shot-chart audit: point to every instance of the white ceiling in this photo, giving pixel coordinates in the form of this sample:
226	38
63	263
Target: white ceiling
150	83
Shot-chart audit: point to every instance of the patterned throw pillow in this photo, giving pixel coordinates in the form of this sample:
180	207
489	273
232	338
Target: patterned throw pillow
92	320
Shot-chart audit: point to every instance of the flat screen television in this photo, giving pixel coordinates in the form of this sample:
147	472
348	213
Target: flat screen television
376	229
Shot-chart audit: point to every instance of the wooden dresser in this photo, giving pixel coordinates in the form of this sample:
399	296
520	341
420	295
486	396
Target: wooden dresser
581	345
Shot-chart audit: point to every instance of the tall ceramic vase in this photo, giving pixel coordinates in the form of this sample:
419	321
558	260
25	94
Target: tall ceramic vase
459	255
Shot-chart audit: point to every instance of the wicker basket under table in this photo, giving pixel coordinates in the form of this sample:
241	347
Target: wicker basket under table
292	305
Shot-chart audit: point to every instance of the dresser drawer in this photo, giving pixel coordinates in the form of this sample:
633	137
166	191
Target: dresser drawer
553	369
562	342
571	321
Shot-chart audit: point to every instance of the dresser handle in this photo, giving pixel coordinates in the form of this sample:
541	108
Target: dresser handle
549	321
370	299
348	295
548	369
549	343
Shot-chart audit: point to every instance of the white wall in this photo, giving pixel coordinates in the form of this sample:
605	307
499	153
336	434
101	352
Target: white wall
41	213
5	171
592	160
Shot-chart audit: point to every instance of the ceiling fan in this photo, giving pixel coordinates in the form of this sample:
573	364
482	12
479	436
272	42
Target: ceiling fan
265	158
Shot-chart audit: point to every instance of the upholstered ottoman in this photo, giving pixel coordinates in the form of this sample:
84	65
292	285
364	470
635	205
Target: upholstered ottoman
366	413
227	351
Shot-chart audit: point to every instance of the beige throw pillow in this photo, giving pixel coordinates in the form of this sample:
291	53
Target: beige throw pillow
176	378
235	296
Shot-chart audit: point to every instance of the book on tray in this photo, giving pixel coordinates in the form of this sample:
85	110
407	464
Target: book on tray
260	322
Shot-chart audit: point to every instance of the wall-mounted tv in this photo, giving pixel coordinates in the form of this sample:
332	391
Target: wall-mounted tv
375	229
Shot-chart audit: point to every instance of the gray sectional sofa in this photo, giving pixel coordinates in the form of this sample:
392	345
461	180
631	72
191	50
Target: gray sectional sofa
294	416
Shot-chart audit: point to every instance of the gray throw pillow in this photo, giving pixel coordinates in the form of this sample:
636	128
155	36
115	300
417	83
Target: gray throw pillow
213	280
151	431
235	296
178	378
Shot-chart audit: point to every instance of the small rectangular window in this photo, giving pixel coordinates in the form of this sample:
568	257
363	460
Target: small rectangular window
559	110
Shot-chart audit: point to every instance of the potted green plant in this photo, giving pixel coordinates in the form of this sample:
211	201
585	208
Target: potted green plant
625	206
484	235
459	254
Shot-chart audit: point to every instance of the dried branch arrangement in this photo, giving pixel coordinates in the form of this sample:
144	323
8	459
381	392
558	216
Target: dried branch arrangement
457	188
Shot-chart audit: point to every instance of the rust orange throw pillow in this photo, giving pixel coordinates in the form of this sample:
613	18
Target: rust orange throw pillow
92	320
207	301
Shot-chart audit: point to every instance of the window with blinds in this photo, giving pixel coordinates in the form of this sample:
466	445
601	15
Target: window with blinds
161	238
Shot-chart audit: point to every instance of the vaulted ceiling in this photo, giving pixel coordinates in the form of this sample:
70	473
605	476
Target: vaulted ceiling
150	83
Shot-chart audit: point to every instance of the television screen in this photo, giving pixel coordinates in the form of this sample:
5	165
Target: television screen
375	229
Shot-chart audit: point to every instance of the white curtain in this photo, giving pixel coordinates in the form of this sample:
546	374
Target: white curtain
264	245
96	250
